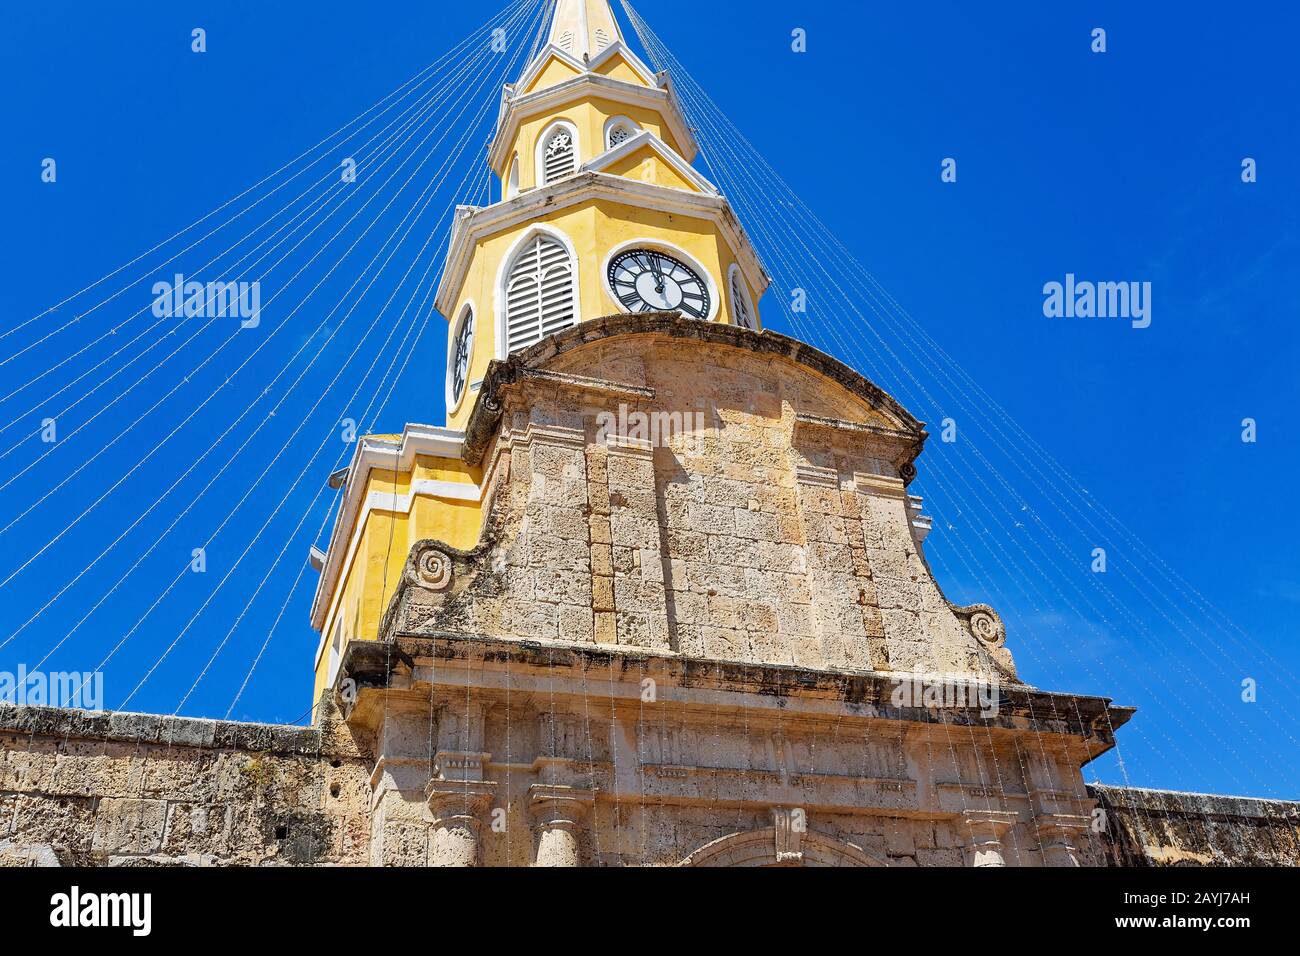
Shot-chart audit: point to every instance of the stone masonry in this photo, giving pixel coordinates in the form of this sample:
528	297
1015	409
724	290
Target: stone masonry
695	631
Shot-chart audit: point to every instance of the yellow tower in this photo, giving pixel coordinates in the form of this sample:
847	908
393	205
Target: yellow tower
600	213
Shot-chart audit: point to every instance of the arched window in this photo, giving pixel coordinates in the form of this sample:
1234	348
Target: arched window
742	309
619	134
619	130
559	154
462	350
539	292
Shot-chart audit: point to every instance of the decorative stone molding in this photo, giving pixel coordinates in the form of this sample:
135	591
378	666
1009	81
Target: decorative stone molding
985	830
1060	836
558	813
431	569
458	808
984	622
790	825
759	848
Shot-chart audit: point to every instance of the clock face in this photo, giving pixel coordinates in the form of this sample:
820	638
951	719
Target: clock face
645	280
460	360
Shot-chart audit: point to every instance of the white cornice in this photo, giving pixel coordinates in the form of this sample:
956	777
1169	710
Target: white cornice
387	454
659	98
534	69
647	138
473	225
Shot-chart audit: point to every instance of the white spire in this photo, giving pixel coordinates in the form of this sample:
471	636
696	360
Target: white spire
584	28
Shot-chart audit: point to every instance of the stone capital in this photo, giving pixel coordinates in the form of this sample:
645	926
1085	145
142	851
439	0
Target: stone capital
1059	836
985	830
987	824
558	813
462	800
556	806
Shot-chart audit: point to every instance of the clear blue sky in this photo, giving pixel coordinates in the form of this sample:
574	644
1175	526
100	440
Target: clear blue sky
1117	166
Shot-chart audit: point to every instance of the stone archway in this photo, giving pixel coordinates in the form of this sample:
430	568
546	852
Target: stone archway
759	848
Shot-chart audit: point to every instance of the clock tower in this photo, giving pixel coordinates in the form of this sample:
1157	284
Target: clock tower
600	209
656	592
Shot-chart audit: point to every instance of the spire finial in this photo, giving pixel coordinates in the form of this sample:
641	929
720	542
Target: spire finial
584	28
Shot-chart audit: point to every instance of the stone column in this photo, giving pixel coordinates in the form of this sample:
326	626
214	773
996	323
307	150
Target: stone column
985	828
558	813
1059	835
459	798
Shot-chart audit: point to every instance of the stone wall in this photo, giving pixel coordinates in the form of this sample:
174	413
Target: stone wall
1167	828
136	790
676	486
122	789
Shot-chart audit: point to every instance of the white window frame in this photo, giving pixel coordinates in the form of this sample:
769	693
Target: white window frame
734	276
539	150
677	252
501	319
614	122
454	403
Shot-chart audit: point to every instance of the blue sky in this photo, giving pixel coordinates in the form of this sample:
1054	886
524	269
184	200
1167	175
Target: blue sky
1120	166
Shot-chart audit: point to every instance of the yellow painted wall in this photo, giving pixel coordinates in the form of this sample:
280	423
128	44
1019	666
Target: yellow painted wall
589	118
594	228
368	583
555	72
618	68
648	166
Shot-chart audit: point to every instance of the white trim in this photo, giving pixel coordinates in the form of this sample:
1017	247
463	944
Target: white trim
535	68
673	250
585	26
638	66
613	121
371	453
454	402
660	99
399	505
539	148
472	225
503	274
511	184
734	273
647	138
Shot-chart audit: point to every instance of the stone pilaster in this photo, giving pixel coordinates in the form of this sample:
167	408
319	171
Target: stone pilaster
558	813
985	830
459	799
1060	836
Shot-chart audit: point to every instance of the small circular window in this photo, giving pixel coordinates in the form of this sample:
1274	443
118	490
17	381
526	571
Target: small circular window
462	349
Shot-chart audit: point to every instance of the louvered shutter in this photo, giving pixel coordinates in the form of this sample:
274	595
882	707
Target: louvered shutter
559	158
539	295
740	303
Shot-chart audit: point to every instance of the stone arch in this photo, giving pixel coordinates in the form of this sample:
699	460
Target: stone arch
758	848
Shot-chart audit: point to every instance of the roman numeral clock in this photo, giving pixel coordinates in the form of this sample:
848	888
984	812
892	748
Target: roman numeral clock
646	280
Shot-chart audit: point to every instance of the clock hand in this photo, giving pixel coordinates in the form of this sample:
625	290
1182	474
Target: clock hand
657	269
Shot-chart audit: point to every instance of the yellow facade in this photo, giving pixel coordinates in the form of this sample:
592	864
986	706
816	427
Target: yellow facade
633	192
381	537
601	226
